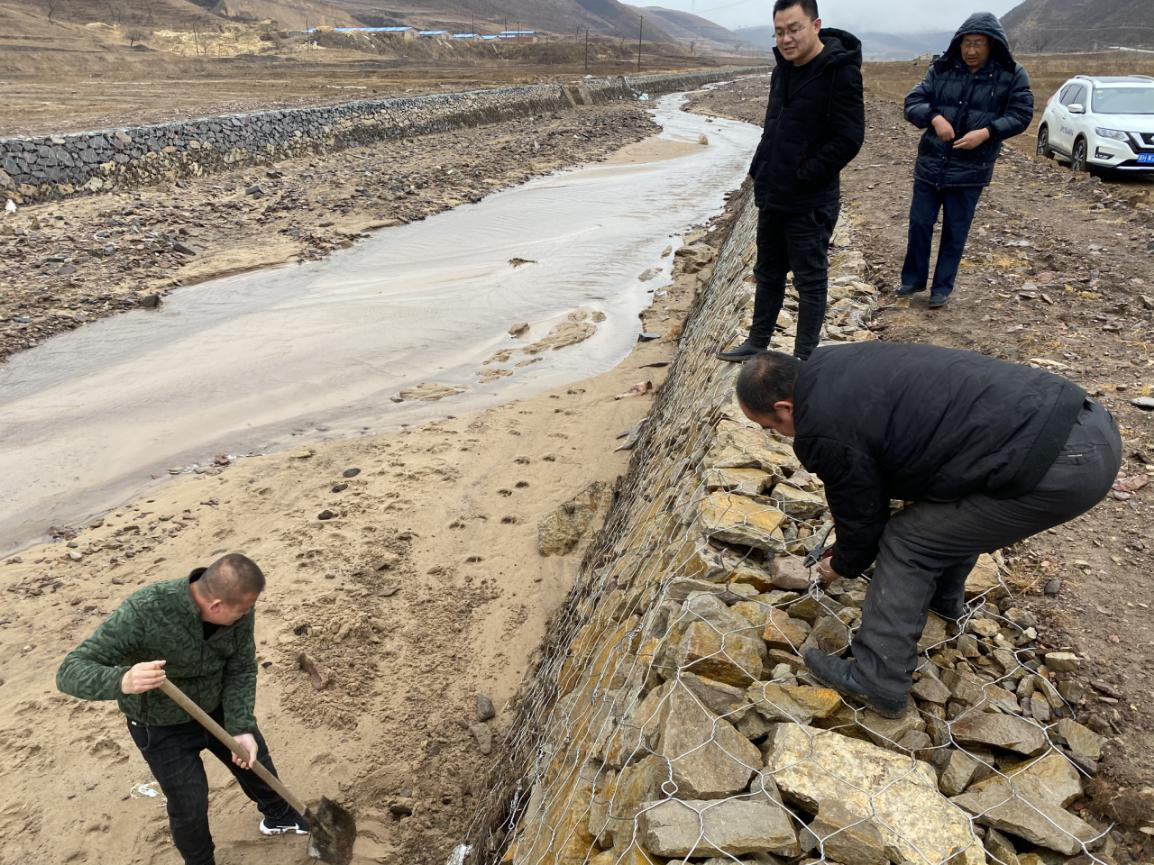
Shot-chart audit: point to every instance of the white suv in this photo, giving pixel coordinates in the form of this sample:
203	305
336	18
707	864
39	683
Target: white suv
1101	122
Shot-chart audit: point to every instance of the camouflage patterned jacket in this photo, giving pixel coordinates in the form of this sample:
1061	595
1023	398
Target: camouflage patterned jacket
161	622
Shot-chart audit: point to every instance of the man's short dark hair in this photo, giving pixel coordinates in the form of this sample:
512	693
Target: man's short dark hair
809	7
233	578
766	379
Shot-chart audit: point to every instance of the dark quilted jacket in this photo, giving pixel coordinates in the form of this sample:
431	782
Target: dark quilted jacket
161	622
889	420
996	97
814	127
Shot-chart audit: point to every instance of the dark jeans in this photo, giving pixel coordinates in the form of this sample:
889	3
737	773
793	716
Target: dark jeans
957	205
929	548
797	242
173	754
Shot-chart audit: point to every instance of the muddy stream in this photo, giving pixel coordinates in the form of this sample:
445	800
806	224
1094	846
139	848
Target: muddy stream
308	352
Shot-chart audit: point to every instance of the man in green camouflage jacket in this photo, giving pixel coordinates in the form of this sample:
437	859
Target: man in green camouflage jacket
198	632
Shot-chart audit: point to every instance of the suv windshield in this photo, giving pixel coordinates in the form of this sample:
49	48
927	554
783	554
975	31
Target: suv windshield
1124	100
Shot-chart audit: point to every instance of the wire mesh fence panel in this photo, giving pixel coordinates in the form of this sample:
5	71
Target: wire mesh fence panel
672	718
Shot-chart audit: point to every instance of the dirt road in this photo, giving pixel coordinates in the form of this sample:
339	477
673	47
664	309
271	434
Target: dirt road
1058	272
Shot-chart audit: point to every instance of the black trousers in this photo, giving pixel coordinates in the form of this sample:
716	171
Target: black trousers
797	242
173	754
957	205
929	548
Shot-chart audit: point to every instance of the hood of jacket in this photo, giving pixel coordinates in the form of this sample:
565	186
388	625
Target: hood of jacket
984	24
840	47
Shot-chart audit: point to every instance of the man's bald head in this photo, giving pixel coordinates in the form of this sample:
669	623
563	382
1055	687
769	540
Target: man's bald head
233	579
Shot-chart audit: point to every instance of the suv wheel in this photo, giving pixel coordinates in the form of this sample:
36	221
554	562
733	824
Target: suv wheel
1078	156
1044	149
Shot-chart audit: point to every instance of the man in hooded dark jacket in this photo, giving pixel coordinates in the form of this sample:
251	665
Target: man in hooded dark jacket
814	127
972	99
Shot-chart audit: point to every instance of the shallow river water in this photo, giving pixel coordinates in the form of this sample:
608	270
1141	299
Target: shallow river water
312	351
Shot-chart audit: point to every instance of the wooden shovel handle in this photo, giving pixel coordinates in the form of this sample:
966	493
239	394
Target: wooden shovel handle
178	696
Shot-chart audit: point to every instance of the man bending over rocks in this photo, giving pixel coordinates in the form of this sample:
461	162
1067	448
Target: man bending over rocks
987	452
198	632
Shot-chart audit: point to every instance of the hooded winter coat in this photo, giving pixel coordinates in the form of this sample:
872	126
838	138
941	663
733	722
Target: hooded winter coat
814	127
996	97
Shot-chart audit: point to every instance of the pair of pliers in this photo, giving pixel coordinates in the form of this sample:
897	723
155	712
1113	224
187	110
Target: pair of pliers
815	555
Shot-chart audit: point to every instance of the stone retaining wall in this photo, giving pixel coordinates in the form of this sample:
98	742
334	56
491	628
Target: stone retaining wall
42	168
672	719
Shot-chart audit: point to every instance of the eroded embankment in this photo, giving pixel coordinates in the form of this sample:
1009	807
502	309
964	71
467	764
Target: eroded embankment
672	718
43	168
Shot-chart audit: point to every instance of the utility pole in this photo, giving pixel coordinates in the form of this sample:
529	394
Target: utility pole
640	30
586	49
506	26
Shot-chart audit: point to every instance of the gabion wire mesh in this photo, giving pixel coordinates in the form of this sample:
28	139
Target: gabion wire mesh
672	719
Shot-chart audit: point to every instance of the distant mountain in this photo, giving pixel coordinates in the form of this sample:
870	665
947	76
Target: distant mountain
903	46
601	17
757	37
1078	25
687	27
875	46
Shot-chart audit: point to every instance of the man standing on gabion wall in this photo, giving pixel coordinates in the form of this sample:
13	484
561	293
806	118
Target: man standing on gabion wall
972	99
988	452
814	126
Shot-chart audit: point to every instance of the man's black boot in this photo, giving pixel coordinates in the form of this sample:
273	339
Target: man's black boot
741	353
952	612
838	674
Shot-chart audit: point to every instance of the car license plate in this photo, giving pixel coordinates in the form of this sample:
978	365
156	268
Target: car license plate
1147	158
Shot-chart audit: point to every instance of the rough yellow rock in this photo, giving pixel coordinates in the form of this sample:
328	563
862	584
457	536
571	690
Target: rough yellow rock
738	446
619	797
898	794
633	856
784	632
560	836
798	502
741	520
733	658
749	482
984	579
707	757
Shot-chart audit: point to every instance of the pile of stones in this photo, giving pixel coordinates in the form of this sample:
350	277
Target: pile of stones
678	723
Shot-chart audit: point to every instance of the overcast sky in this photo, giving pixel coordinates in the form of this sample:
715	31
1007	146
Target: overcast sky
885	16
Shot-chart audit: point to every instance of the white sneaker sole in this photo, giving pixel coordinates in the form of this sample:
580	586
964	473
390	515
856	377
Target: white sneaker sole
265	830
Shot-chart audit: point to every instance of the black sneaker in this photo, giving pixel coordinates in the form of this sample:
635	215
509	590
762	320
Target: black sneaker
291	823
838	674
741	353
937	301
907	290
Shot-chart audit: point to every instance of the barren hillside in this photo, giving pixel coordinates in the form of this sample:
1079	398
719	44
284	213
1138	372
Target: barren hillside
607	17
1075	25
687	27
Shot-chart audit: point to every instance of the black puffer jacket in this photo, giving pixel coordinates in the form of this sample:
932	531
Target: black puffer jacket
882	421
996	97
814	127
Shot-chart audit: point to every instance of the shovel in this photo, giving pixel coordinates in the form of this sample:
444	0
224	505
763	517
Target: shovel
332	829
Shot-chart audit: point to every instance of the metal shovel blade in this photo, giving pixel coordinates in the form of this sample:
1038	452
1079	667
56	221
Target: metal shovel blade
332	832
